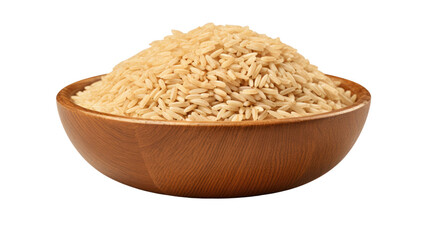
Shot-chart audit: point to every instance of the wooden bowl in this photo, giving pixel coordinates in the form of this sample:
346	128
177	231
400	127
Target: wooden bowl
213	159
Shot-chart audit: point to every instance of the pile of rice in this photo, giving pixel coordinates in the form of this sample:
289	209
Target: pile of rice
215	73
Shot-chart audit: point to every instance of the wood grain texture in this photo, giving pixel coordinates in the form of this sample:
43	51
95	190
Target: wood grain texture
213	159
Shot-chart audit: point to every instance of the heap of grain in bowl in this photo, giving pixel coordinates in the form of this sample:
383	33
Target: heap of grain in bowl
215	73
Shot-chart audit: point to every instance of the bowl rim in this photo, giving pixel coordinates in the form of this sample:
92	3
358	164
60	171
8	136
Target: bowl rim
63	98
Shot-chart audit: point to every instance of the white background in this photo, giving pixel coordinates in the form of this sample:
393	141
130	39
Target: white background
379	191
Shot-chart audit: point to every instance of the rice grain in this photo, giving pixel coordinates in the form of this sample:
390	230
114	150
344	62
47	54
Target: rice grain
215	73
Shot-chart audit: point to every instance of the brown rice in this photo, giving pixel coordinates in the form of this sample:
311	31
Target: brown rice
215	73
